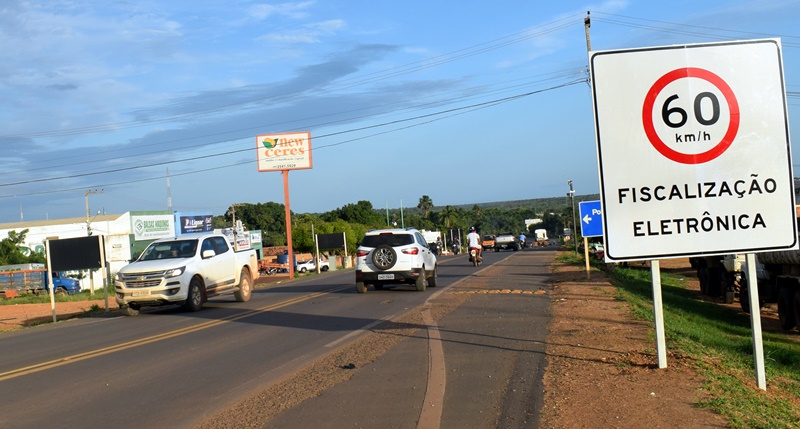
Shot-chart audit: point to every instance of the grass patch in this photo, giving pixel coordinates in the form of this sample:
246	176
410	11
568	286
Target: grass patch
719	340
42	299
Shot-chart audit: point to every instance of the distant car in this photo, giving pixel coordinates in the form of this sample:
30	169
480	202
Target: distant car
305	266
389	256
505	240
487	242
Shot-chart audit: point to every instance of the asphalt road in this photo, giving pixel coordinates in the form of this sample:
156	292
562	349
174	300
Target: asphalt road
174	369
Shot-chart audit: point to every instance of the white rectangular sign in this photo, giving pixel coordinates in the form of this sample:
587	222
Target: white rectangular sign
693	150
285	151
149	227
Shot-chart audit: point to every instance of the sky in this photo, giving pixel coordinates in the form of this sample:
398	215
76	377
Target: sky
131	104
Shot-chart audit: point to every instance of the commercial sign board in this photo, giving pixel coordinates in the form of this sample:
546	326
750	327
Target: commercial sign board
152	226
196	223
693	150
285	151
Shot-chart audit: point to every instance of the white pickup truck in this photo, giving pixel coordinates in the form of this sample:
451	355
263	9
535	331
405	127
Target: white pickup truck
185	270
505	240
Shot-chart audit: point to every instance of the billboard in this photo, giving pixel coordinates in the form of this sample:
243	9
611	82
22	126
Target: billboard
285	151
152	226
196	223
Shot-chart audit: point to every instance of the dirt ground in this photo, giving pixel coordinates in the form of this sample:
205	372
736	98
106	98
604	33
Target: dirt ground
602	366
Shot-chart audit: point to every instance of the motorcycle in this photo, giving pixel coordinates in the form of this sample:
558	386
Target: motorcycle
271	271
473	256
455	248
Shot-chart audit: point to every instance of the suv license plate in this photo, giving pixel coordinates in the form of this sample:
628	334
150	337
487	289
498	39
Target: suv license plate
140	293
385	276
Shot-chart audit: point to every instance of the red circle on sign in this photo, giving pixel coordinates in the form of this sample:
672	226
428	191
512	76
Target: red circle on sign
655	140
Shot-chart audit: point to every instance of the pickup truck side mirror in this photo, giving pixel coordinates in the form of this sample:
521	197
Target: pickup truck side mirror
208	254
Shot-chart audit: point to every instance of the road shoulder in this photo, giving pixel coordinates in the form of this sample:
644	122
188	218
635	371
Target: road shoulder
602	367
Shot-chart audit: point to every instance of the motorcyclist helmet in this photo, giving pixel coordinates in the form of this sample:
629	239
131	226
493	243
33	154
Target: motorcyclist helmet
472	229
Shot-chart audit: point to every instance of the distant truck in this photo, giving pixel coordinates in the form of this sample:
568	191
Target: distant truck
186	271
35	281
540	237
505	240
778	277
487	242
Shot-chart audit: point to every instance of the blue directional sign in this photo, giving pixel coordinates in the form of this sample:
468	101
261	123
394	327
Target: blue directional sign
591	219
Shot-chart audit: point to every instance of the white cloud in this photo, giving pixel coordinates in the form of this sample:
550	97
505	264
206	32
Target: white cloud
291	10
293	37
310	33
328	26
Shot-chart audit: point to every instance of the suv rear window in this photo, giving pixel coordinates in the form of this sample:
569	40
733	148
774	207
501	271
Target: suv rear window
393	240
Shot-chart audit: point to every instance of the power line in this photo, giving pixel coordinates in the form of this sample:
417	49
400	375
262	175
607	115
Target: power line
342	84
116	152
452	112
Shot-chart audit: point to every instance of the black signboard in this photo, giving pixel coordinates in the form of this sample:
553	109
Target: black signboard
82	253
331	241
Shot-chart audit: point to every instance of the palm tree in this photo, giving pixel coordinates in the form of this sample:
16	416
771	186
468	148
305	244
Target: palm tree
477	211
449	216
425	204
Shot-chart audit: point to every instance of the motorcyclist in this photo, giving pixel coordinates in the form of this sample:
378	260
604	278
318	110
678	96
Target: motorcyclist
474	242
522	240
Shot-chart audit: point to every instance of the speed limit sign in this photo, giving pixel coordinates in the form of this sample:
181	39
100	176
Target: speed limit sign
693	150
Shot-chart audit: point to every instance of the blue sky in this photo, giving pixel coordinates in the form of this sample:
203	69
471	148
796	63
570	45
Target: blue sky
402	98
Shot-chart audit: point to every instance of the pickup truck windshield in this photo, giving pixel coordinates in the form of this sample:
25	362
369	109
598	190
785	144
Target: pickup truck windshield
170	250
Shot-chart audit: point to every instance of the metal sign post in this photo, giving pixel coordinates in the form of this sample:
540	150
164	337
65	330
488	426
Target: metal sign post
755	322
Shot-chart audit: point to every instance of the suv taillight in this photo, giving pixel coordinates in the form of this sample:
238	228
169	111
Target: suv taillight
411	251
361	253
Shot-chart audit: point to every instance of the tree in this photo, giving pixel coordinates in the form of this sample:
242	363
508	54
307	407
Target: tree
11	250
268	217
425	204
361	212
449	217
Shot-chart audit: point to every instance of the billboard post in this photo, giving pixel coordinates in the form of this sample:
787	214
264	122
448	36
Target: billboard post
283	152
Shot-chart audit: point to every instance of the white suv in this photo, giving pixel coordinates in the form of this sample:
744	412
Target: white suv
389	256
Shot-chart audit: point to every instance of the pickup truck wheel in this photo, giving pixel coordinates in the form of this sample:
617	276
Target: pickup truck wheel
432	280
421	282
245	287
303	269
129	310
361	287
324	268
384	257
786	314
194	300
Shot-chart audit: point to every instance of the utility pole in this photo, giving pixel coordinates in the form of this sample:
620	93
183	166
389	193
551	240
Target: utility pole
88	232
88	221
587	23
169	193
571	195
